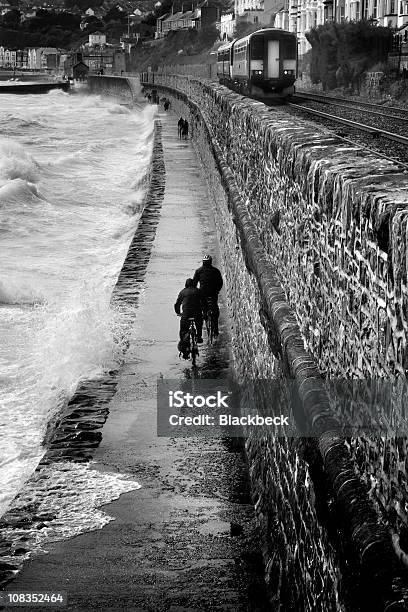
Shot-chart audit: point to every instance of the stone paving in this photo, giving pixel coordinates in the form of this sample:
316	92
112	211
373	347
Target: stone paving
185	541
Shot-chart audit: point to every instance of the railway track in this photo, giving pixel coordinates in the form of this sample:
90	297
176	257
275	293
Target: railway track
377	139
374	109
363	127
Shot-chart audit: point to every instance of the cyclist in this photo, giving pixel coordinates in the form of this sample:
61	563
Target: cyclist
211	282
193	304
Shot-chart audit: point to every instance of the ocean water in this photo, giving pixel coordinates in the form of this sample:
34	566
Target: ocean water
72	180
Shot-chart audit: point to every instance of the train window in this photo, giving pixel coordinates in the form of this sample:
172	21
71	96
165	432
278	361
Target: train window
288	48
257	48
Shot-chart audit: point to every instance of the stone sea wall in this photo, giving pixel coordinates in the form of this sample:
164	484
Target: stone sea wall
124	88
305	222
332	220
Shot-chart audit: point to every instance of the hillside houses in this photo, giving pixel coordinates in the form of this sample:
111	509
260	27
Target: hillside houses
199	18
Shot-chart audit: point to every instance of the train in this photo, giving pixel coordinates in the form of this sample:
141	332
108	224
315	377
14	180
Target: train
262	64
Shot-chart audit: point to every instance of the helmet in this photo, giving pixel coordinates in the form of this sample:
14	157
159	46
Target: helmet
207	258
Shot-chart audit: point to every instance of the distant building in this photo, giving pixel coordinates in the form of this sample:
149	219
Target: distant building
50	59
80	71
255	12
240	6
22	59
226	26
97	38
197	19
300	16
34	58
10	58
178	21
108	58
90	12
43	58
127	42
398	58
159	26
136	16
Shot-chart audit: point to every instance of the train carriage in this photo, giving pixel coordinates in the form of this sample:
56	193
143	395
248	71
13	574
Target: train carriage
262	64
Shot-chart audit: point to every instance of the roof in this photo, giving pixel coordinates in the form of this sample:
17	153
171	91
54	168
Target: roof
174	16
180	15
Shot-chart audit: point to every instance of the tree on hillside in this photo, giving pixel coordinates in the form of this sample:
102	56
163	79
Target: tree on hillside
47	19
93	24
150	19
207	37
83	5
343	52
11	19
114	14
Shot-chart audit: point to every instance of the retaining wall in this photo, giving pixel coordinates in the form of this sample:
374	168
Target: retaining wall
312	233
125	88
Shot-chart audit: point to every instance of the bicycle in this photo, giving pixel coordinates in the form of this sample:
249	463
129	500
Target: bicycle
191	349
210	320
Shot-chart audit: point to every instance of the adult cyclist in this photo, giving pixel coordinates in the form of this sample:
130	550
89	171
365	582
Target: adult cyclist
210	280
194	305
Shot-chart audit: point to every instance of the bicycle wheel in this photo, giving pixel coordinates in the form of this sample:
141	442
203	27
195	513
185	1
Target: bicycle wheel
210	320
193	344
209	327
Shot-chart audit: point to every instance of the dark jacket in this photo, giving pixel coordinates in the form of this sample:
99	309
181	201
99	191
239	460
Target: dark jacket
210	280
192	301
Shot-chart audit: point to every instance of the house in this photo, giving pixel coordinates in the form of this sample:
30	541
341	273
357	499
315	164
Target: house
226	26
50	59
34	58
136	16
43	58
159	26
176	21
80	71
398	57
199	18
22	58
97	38
10	58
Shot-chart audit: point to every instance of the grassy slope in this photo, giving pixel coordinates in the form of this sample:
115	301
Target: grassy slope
166	51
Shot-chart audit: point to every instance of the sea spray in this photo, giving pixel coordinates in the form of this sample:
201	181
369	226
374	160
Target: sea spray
70	201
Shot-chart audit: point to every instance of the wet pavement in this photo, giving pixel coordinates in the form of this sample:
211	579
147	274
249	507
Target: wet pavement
185	541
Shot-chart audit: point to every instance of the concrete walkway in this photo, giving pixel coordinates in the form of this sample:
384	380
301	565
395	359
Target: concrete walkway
185	541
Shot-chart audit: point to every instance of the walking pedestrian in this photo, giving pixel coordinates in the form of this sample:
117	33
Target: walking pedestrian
180	124
185	129
166	105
